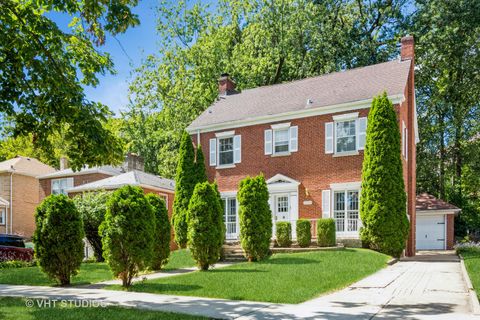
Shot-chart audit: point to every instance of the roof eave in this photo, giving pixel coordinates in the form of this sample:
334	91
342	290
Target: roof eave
297	114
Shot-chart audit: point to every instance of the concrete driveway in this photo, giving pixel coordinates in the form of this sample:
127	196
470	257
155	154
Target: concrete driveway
428	287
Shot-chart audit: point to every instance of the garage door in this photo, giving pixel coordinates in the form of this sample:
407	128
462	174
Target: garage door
431	232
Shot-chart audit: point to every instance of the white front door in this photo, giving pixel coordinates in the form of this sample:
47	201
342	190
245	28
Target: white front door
430	232
282	207
231	218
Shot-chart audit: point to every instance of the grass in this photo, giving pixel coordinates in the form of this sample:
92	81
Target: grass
89	272
471	258
15	309
284	278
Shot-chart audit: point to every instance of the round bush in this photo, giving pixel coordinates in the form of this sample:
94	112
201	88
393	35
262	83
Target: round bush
92	207
161	245
326	233
58	238
206	229
127	233
284	233
255	218
304	235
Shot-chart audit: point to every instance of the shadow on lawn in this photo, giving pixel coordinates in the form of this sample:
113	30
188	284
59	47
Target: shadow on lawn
159	287
290	260
237	270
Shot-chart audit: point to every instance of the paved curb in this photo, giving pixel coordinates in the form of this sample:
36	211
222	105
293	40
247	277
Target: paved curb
392	261
471	292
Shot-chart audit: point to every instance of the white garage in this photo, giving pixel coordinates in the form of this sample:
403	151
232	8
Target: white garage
431	232
434	225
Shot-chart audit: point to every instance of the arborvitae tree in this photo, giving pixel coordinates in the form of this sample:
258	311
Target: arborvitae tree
185	180
200	169
92	207
128	233
58	238
255	218
383	198
161	242
206	229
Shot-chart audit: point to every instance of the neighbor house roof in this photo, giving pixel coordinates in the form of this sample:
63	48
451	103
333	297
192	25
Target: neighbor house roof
324	93
134	178
109	170
427	202
25	166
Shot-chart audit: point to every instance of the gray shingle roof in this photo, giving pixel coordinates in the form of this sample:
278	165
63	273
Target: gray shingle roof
110	170
134	178
326	90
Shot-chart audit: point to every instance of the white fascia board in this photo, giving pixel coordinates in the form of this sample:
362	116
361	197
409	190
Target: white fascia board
437	212
297	114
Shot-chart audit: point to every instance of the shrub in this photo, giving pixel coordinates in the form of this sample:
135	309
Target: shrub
284	233
383	205
58	238
187	176
12	264
92	207
161	245
304	235
206	229
255	218
471	246
326	233
15	253
127	233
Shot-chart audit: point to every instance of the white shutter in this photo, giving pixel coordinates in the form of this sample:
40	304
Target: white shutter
293	139
325	203
403	138
213	152
406	144
237	149
268	141
329	137
362	132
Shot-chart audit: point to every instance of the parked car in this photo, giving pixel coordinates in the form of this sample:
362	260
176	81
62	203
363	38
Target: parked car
9	240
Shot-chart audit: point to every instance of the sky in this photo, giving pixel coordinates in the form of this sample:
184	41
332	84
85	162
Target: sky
127	51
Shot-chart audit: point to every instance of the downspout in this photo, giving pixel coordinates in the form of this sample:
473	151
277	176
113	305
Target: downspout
198	137
11	202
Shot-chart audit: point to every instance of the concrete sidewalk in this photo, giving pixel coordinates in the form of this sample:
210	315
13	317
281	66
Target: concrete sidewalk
406	290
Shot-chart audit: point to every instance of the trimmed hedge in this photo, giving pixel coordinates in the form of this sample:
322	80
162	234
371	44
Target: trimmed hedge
161	242
206	229
255	218
326	232
15	253
58	238
127	233
284	233
13	264
304	235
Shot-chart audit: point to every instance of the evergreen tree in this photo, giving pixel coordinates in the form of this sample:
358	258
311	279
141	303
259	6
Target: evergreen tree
161	242
255	218
383	204
206	229
185	181
200	170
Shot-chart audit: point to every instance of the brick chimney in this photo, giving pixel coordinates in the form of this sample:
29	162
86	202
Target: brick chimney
64	163
226	86
133	162
407	50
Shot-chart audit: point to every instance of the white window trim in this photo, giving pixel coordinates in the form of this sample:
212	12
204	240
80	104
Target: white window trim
345	185
283	153
345	117
3	213
277	126
350	152
225	134
346	234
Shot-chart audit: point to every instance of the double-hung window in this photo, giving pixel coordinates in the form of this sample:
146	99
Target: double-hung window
281	140
60	186
346	136
225	151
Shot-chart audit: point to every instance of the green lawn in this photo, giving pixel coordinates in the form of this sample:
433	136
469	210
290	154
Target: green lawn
89	272
284	278
472	263
15	309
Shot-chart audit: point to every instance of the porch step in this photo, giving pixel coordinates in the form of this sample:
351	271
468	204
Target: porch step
232	252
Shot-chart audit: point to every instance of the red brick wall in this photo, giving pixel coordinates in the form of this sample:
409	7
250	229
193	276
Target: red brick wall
450	231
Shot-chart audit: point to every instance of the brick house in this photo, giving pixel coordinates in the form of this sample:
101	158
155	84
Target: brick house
19	194
307	138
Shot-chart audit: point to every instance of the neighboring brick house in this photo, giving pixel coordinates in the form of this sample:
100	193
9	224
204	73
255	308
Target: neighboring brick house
19	194
435	223
307	137
148	182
